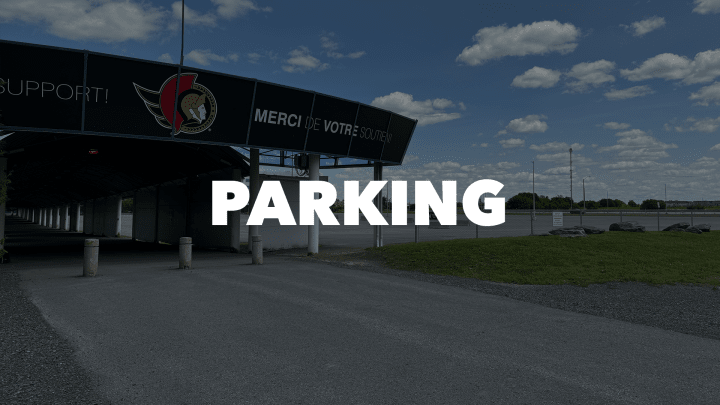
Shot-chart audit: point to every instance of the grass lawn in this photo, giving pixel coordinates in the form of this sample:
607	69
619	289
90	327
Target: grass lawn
653	257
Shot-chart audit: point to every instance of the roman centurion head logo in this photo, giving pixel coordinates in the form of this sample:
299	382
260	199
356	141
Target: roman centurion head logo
196	107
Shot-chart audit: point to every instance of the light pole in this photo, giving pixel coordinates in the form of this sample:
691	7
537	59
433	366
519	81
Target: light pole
571	194
177	80
584	190
532	219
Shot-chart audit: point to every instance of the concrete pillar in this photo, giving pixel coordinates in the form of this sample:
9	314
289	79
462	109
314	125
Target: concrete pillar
53	217
113	215
235	218
314	230
89	217
63	217
257	251
46	217
90	263
377	229
3	176
135	216
185	253
74	213
254	190
156	238
98	216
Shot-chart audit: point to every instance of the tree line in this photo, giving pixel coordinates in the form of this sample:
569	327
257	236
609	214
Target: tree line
524	201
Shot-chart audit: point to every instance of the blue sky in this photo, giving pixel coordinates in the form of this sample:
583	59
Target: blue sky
632	87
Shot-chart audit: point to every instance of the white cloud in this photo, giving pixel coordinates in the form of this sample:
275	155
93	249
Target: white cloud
537	77
107	21
595	74
564	158
301	61
192	17
637	91
331	46
254	57
629	165
409	158
512	143
442	166
483	145
529	124
615	125
426	112
204	56
327	43
705	125
233	57
533	39
707	94
704	68
165	58
507	165
557	146
647	25
707	6
638	144
232	8
716	147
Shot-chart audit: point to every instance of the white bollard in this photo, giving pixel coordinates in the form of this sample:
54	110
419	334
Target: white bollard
257	252
185	253
90	264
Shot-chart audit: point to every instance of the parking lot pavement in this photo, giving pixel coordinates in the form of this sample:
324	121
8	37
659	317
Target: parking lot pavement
298	331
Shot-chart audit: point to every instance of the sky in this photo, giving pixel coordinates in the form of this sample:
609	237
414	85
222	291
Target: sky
633	87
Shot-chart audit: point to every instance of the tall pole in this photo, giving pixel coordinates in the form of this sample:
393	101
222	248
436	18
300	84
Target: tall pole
571	193
532	219
583	193
177	81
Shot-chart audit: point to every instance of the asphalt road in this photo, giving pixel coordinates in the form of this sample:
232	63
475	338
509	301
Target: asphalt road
298	331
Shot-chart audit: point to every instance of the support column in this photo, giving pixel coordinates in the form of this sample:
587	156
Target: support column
46	217
377	229
53	218
156	238
115	208
3	176
74	217
89	218
235	220
314	229
135	216
63	217
254	190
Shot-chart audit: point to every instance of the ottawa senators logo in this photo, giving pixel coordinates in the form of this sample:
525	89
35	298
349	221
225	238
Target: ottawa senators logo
196	107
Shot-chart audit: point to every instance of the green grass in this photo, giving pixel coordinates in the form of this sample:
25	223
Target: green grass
654	258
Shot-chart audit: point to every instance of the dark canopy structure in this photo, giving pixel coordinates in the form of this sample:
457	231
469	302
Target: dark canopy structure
51	169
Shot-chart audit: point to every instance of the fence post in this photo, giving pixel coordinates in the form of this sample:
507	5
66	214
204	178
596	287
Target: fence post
691	217
185	252
90	263
658	220
477	231
417	233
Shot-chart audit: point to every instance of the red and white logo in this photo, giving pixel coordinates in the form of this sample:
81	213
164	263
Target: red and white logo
196	107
